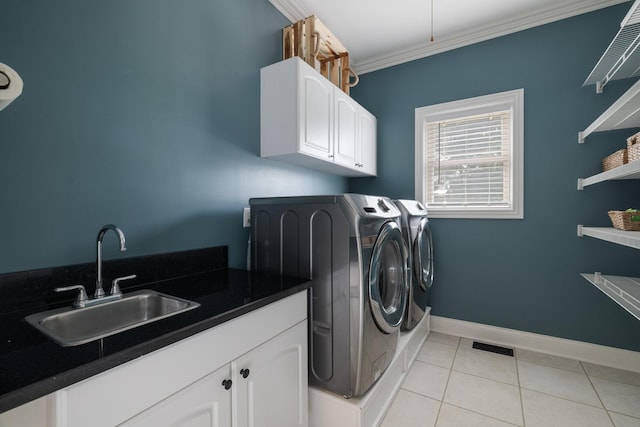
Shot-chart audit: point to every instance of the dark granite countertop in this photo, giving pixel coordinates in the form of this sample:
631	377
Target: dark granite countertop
32	366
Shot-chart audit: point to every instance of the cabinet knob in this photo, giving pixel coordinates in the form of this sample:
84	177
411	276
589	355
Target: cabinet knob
331	156
244	373
226	384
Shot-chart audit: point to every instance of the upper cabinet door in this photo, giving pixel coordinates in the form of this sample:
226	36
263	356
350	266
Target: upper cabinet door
316	116
368	142
345	129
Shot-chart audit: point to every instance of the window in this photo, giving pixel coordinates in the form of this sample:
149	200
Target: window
469	157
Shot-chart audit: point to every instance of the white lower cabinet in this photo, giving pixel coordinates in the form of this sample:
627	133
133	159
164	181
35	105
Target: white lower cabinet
185	384
266	386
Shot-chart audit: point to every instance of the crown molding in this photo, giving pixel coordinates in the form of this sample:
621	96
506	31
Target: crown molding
291	9
482	34
294	11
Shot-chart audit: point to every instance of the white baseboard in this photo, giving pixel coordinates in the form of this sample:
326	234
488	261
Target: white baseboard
577	350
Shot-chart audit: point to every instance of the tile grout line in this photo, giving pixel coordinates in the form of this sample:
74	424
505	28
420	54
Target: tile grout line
484	415
480	376
597	394
524	419
456	406
583	372
459	348
444	392
625	415
520	387
566	399
451	370
562	397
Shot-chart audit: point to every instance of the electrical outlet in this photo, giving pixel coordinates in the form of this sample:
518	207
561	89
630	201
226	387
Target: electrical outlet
246	217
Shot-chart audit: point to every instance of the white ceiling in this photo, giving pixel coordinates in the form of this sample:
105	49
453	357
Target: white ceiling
382	33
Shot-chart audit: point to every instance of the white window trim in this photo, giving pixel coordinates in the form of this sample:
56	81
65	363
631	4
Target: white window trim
513	100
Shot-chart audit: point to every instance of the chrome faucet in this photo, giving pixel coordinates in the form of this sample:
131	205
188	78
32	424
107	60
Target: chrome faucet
99	297
99	290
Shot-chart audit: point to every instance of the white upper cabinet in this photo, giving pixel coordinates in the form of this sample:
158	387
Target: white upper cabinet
306	120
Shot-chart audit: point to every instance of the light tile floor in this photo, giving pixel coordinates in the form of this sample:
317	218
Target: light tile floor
452	384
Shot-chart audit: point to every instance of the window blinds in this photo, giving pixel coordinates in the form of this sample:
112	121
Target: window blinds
468	161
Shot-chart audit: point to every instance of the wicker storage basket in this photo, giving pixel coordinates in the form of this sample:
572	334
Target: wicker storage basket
633	147
622	220
614	160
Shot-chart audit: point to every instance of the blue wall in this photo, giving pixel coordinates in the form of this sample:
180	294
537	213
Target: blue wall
146	114
521	274
140	113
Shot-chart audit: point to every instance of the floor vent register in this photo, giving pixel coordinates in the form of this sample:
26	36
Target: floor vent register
493	348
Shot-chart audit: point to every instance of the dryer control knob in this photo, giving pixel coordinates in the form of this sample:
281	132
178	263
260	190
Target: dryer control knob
383	205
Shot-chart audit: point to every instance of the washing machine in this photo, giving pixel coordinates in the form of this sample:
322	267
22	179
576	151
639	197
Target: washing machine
417	233
351	248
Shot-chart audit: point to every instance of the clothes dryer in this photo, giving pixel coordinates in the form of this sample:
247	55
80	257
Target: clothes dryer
351	248
417	233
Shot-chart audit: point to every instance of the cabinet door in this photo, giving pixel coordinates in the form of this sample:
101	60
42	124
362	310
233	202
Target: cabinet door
274	392
316	103
367	142
205	403
37	413
345	129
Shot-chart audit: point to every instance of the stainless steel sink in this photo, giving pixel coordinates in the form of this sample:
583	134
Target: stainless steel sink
75	326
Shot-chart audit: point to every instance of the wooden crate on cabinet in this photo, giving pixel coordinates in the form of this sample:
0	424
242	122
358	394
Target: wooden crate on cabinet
312	41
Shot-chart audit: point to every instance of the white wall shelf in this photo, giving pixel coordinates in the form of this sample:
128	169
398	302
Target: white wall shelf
620	60
613	235
628	171
623	290
622	114
622	57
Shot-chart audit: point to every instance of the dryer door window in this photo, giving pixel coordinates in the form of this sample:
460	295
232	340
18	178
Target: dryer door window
423	255
388	278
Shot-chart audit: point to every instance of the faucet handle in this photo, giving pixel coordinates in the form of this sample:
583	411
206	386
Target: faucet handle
115	287
82	297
